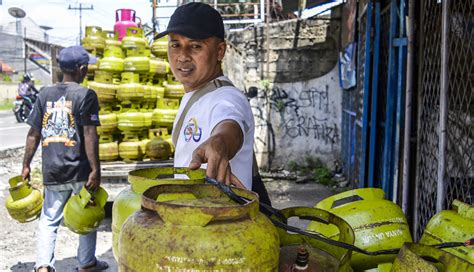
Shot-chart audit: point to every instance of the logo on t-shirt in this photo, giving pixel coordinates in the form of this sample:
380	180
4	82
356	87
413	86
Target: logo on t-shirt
192	131
58	123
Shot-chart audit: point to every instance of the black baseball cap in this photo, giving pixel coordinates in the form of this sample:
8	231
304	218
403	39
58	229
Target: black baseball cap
196	21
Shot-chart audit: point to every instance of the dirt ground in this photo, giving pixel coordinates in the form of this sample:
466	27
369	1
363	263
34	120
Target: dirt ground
18	241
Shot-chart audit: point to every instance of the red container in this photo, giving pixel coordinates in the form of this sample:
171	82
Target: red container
126	19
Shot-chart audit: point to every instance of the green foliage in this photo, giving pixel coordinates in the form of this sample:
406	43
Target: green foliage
323	176
313	167
6	78
293	166
265	84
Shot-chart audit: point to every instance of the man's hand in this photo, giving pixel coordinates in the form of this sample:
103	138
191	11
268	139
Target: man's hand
217	151
25	173
93	182
32	141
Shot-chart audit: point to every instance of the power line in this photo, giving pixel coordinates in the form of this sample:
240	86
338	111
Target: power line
80	8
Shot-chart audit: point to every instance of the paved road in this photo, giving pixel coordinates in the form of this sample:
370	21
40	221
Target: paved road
12	133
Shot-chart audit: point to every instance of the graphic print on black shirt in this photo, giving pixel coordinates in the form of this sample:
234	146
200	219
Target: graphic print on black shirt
58	123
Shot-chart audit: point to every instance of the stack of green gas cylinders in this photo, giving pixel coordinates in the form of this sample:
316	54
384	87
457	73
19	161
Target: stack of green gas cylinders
137	95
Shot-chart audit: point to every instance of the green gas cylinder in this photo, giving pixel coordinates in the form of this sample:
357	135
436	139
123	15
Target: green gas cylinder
108	151
320	256
418	257
94	39
131	121
377	223
108	122
111	38
112	60
136	61
103	87
158	149
456	225
162	133
24	203
173	89
133	39
84	212
198	228
165	113
130	90
159	67
130	149
129	200
159	47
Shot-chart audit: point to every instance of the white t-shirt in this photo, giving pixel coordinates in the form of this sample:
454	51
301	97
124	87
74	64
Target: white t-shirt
225	103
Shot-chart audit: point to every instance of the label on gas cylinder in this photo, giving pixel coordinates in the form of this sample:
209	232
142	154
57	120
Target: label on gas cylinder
179	263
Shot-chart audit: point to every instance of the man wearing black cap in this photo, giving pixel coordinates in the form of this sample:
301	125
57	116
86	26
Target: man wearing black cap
214	124
64	118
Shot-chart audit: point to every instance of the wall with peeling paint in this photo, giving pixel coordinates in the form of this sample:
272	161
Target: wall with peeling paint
299	104
299	119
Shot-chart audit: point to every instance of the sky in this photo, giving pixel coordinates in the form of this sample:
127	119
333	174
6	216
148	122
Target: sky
65	22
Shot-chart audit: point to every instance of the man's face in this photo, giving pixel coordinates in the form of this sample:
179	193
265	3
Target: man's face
195	62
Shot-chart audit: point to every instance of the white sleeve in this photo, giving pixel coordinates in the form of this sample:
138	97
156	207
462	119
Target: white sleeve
232	105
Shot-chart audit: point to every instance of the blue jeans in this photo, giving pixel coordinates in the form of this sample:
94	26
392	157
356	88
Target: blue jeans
51	216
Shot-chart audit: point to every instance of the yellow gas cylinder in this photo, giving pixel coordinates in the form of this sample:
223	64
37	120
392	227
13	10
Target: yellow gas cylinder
162	133
418	257
94	39
24	203
159	67
136	61
130	149
111	38
158	149
456	225
160	92
133	39
108	151
112	60
83	212
159	47
103	87
129	199
108	122
130	90
198	228
378	224
173	89
316	255
165	113
131	120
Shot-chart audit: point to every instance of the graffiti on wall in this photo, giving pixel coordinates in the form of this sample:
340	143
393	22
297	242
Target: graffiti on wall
286	114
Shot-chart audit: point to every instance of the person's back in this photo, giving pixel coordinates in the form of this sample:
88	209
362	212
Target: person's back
60	113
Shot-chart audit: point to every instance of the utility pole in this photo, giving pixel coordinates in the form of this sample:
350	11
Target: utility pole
154	5
80	8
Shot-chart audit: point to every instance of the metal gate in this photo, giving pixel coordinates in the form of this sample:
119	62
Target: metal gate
445	144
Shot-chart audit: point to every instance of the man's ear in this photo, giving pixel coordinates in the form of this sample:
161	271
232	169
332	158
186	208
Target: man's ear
221	47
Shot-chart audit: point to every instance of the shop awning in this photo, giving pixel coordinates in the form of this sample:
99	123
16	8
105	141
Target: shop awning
5	68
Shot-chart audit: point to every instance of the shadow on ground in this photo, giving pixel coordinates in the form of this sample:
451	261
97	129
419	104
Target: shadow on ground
68	264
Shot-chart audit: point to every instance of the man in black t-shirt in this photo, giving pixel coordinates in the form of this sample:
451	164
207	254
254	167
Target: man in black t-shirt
64	119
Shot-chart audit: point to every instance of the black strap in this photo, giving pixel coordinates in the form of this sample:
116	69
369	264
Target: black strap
209	87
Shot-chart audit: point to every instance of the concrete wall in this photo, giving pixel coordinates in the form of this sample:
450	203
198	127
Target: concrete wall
299	103
8	91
